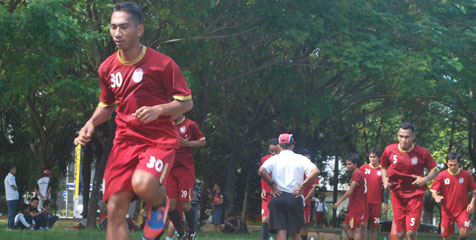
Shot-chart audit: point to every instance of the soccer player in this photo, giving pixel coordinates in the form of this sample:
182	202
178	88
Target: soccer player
266	190
138	83
357	194
286	214
453	186
308	192
403	166
182	177
375	193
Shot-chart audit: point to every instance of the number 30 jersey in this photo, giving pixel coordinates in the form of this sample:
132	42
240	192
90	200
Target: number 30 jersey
151	79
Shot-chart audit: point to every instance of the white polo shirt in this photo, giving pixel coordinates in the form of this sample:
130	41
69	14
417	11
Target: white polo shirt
288	169
10	193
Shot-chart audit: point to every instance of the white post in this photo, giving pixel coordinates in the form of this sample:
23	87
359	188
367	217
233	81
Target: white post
66	198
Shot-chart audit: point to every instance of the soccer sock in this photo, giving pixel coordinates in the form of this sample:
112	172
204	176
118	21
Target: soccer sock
303	237
168	238
190	216
264	231
175	218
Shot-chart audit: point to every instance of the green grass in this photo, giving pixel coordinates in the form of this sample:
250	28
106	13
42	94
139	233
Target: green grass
63	230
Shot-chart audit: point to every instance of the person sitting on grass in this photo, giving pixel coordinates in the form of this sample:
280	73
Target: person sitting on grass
232	224
50	219
23	219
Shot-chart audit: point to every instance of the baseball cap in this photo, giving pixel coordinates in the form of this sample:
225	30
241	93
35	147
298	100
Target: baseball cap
286	138
47	171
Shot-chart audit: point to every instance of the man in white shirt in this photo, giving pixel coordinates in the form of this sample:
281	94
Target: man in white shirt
23	219
43	188
286	215
12	196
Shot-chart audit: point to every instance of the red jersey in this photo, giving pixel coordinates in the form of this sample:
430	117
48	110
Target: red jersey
264	185
313	184
218	196
454	189
187	129
402	165
358	198
374	183
151	79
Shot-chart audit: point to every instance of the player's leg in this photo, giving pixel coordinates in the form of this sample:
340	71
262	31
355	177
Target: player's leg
170	231
307	217
357	233
117	207
374	220
414	208
372	232
463	223
348	231
186	183
264	219
365	222
281	234
399	216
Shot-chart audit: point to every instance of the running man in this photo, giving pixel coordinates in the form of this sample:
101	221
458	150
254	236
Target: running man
375	193
403	166
286	213
453	186
138	83
181	179
357	194
266	190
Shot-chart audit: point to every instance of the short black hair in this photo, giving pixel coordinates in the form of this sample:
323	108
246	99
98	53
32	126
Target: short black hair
376	151
286	146
273	141
46	202
11	167
131	8
407	125
353	157
24	207
34	198
452	156
304	151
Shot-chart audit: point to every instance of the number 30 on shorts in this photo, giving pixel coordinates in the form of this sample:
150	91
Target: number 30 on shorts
155	163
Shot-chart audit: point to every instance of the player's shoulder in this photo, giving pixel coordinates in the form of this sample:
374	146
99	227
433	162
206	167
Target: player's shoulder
421	150
109	62
159	58
391	147
264	158
465	173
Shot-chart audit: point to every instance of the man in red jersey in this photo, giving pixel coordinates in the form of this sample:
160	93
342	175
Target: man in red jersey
357	194
140	82
375	194
182	177
308	192
266	190
403	166
453	186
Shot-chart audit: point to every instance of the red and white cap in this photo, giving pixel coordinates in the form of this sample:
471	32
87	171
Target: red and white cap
47	171
286	138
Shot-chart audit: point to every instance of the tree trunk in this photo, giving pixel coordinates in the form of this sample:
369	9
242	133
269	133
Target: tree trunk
334	194
86	174
245	198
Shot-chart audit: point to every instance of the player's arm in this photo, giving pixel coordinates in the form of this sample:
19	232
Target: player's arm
195	143
434	195
385	200
311	192
420	181
385	181
38	192
100	115
176	107
470	207
309	178
265	175
353	186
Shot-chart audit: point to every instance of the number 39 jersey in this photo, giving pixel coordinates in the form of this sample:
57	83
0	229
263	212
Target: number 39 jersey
358	198
151	79
402	165
454	189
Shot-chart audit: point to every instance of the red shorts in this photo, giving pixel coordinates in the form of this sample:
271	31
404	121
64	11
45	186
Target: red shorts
354	219
180	184
374	213
407	213
307	213
126	157
448	222
265	206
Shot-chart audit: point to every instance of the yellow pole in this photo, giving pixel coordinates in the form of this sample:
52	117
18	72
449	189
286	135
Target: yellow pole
77	170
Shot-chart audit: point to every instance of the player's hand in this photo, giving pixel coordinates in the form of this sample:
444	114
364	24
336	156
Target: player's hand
263	194
438	199
184	142
274	190
84	135
420	181
299	191
387	184
470	208
336	205
147	114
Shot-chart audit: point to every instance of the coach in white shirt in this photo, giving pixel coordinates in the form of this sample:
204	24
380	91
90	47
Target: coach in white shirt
288	169
12	196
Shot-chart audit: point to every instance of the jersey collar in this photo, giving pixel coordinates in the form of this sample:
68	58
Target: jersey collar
180	121
454	174
370	165
407	151
142	54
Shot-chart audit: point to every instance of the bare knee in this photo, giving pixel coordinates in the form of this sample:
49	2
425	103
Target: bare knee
118	205
143	182
173	204
186	206
463	232
411	235
402	234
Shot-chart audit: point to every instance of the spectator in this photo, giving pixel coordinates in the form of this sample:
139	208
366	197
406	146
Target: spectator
232	224
321	210
217	207
50	218
40	217
23	219
43	188
12	196
195	201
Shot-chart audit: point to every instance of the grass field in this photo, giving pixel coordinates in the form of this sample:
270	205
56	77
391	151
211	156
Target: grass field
63	230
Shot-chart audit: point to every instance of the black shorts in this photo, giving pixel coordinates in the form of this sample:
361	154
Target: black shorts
286	213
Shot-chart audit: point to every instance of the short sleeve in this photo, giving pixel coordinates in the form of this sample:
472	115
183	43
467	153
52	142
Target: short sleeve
308	166
430	163
175	83
106	98
384	162
471	183
315	182
268	165
196	132
435	187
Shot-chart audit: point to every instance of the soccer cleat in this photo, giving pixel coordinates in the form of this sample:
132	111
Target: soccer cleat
155	223
192	236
